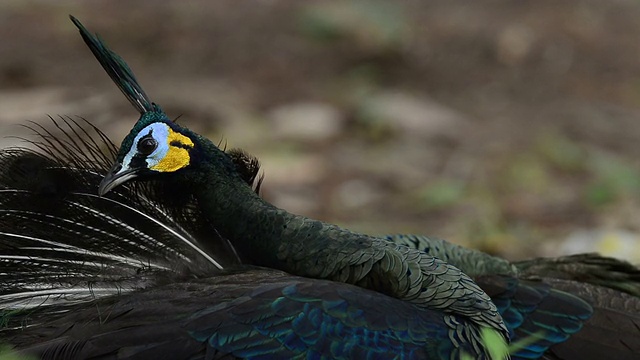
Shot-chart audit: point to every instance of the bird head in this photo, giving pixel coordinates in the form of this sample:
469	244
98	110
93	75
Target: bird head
156	145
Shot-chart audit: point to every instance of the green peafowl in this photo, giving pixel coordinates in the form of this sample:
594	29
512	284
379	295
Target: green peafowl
168	267
130	276
267	236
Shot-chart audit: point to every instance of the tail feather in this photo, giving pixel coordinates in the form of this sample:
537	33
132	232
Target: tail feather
587	268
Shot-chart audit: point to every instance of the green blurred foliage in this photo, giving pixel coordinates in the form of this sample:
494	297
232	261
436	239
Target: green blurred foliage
613	179
375	25
7	353
442	194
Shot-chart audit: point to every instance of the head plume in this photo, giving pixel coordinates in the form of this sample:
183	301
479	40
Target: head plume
117	69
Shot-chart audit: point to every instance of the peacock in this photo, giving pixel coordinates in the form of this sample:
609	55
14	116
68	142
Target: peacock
177	256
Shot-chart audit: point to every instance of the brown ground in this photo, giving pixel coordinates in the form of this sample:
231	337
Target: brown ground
509	126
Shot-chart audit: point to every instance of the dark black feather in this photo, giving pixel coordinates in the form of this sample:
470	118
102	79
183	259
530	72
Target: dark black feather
586	268
248	167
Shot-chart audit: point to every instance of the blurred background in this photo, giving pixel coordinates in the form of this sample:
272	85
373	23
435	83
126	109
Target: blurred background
512	127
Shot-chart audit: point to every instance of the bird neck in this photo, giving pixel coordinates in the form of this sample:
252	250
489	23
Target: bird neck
264	234
255	227
239	216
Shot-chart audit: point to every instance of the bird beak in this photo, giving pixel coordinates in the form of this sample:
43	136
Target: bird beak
116	176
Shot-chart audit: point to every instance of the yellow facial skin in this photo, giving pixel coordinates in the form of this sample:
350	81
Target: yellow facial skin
177	155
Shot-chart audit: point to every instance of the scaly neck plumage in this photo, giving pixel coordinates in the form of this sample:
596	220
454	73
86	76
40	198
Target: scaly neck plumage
269	236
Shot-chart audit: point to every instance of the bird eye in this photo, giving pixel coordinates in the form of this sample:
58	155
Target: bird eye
147	145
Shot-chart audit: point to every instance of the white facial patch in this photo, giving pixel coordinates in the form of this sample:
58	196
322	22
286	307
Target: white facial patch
160	133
